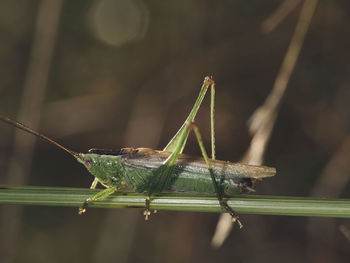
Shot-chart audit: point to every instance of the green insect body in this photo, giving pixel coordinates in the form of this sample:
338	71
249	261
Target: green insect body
133	169
151	172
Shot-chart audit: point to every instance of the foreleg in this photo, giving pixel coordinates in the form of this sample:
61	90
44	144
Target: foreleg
102	194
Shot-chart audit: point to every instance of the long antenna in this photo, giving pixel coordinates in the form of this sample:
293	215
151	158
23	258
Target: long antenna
29	130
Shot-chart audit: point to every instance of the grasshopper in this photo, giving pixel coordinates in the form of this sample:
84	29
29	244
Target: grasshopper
151	172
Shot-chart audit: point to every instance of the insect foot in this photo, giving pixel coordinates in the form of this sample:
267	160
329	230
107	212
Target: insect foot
233	214
235	219
82	209
147	213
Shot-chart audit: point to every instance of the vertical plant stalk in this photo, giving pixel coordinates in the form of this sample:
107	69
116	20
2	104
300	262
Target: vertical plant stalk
284	9
30	110
263	119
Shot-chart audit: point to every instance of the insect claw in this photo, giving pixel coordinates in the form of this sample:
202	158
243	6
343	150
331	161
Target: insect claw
147	213
82	210
235	219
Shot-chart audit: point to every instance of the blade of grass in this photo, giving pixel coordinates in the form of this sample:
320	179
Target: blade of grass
243	204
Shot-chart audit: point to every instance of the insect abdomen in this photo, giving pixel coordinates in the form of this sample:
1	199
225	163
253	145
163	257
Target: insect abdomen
185	181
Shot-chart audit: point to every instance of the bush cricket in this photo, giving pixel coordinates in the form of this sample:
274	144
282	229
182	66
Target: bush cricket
149	171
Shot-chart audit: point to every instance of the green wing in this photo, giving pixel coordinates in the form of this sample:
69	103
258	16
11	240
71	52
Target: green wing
146	158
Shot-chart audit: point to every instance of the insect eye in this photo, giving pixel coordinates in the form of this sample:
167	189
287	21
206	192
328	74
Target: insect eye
87	162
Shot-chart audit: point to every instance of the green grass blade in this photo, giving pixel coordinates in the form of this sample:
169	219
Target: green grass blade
243	204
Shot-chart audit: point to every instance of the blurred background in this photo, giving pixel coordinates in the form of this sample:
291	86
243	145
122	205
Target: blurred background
117	73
